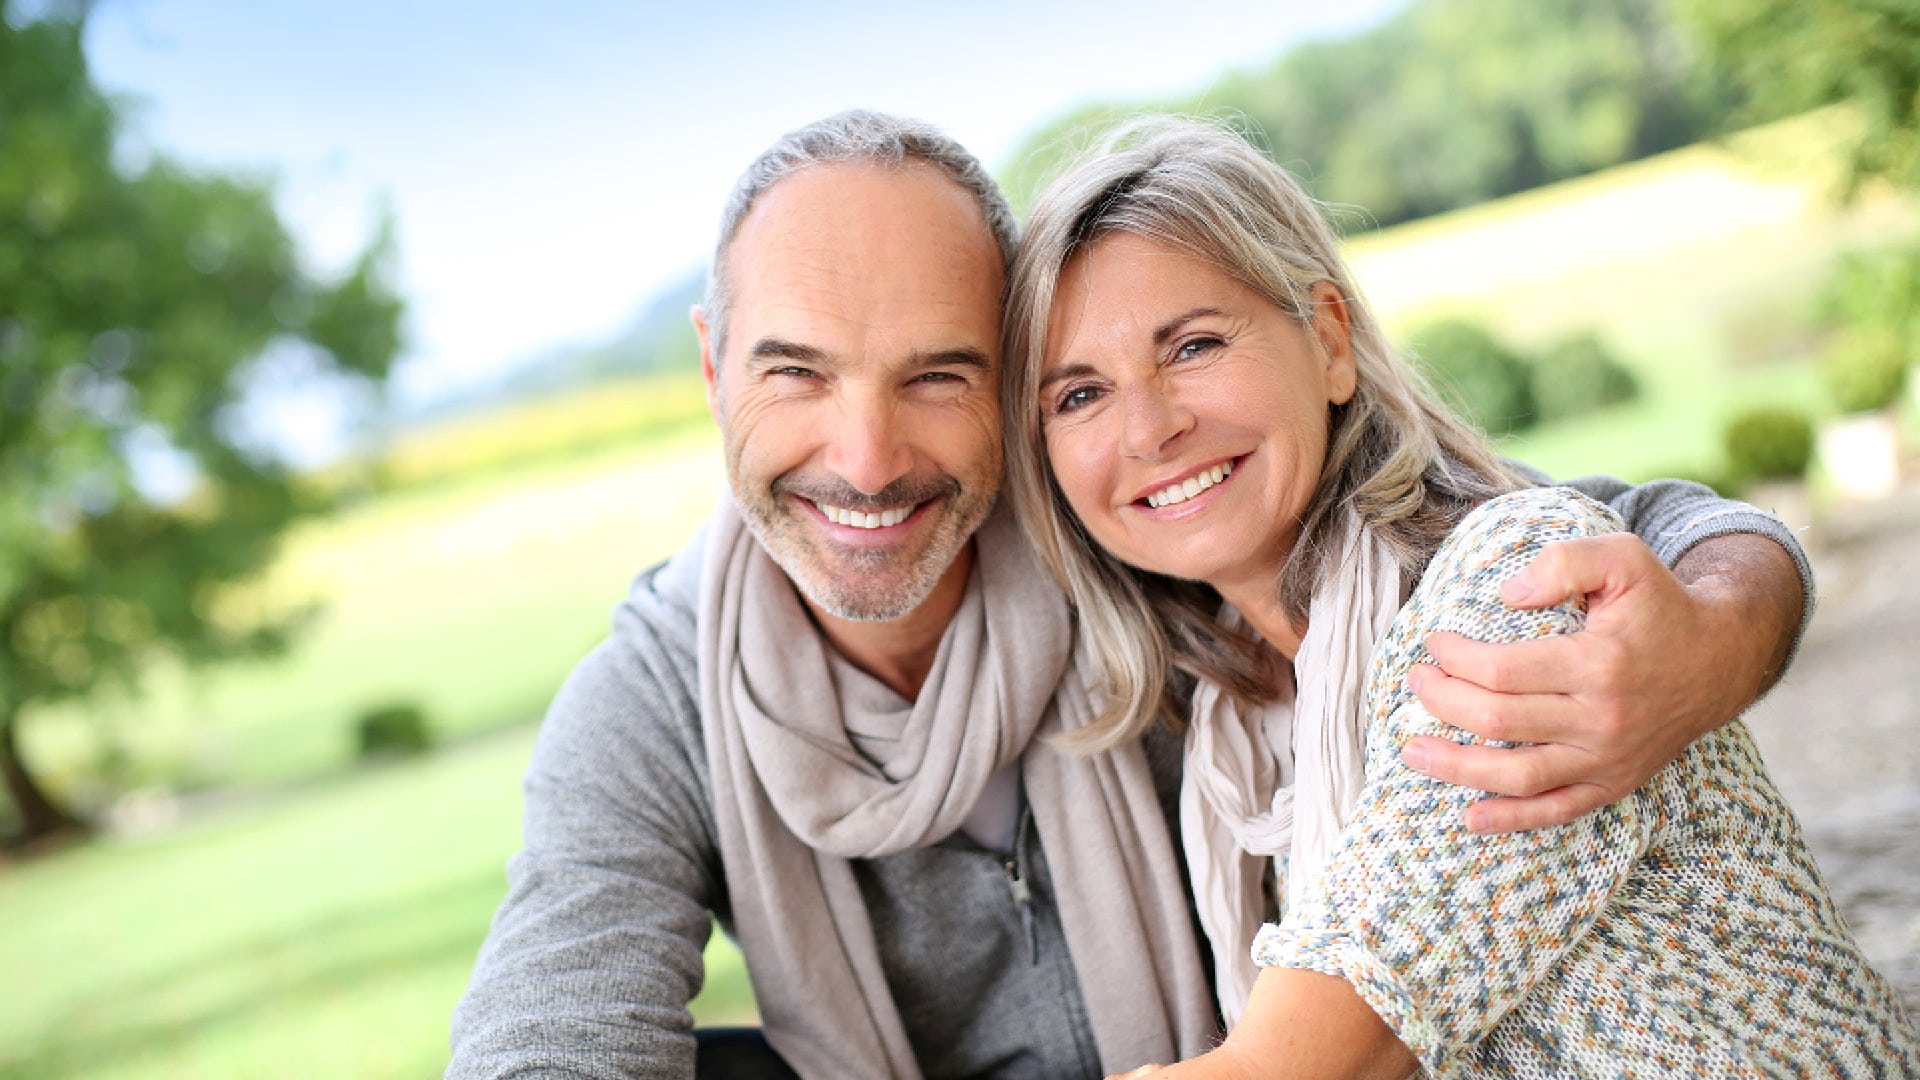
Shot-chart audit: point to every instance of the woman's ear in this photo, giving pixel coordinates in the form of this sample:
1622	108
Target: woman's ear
1332	328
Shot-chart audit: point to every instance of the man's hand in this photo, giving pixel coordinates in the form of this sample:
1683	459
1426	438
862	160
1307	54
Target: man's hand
1665	658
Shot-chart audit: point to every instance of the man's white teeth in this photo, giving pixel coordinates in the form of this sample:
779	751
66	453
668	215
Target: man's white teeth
1191	486
862	520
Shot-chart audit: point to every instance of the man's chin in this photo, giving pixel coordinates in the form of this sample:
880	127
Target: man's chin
862	583
861	594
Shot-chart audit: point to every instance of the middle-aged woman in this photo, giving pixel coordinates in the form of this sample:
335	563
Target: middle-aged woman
1251	498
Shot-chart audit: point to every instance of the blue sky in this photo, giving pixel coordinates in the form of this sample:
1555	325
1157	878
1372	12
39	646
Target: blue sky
550	166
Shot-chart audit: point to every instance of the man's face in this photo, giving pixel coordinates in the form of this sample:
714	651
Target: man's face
857	396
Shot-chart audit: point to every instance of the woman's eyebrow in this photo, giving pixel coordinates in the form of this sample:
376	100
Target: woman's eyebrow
1066	371
1172	326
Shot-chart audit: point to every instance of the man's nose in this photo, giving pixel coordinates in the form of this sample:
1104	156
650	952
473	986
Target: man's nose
869	449
1153	420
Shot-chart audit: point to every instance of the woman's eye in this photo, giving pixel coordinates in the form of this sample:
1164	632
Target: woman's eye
1193	347
1076	398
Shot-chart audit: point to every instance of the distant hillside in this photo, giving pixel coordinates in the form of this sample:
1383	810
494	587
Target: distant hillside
1448	103
659	341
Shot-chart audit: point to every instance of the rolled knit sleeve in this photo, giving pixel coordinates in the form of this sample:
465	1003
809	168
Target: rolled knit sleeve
1443	931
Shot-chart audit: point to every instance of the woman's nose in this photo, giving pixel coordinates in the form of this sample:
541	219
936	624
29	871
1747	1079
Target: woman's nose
1154	420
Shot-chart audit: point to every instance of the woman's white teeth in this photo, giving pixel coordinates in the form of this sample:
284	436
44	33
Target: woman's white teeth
1191	486
860	519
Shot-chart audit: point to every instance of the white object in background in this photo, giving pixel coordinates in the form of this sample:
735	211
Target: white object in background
1861	454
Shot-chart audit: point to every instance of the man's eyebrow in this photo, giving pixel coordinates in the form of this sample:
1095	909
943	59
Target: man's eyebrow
964	356
780	349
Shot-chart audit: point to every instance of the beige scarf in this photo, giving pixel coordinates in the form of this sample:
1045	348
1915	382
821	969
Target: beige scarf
797	794
1280	782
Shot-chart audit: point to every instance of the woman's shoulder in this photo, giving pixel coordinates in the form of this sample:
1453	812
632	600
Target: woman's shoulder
1498	538
1528	518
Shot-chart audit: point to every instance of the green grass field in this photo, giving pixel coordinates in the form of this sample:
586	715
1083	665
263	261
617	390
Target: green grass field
322	931
304	916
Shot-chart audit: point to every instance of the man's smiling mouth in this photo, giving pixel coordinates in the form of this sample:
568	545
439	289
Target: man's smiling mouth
863	520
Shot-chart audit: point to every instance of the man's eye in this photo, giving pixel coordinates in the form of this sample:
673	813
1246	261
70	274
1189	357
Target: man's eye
792	371
939	377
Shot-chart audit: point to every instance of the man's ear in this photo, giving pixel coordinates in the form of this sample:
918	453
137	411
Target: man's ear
1332	327
699	316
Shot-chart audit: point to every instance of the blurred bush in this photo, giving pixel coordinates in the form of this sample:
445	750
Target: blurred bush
1873	301
1577	376
1867	368
1486	381
1768	444
394	730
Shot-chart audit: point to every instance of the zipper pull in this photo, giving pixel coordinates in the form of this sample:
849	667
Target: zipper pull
1023	896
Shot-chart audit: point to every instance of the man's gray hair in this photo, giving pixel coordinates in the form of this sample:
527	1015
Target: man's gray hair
858	135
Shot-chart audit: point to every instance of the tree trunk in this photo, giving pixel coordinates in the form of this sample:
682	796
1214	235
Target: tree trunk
40	818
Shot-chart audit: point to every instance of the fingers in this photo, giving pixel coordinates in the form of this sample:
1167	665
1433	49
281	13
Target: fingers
1569	568
1540	783
1137	1074
1556	807
1515	771
1508	693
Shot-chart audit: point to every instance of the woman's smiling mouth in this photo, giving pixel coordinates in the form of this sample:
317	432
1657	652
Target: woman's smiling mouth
1183	490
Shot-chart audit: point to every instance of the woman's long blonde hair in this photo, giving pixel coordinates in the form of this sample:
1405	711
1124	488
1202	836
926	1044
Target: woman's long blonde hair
1409	469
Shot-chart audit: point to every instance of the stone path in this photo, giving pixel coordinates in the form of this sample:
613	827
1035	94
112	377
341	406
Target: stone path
1841	734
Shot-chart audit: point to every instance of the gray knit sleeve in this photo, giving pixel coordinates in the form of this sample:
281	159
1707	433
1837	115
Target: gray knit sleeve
596	950
1674	515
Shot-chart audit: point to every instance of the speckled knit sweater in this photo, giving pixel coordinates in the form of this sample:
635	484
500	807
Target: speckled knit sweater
1684	931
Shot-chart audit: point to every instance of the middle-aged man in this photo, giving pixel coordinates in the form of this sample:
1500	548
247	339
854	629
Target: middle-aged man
823	722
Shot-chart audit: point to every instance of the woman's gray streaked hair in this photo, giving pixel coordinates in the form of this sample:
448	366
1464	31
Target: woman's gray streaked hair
857	135
1405	465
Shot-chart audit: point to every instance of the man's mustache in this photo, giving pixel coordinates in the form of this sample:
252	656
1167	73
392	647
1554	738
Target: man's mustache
901	494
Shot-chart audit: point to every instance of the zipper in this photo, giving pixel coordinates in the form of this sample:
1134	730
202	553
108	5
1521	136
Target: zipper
1022	893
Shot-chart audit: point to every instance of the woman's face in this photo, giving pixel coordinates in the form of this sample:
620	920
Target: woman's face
1185	414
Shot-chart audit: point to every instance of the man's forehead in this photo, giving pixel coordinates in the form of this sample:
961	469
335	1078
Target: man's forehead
902	253
867	207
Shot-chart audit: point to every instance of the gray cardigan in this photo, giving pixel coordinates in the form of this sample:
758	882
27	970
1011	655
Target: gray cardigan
596	950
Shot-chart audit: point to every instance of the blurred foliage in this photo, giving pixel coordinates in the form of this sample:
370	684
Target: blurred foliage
1879	288
1867	368
1449	103
1487	382
1768	444
1873	301
1579	375
394	729
135	303
1792	55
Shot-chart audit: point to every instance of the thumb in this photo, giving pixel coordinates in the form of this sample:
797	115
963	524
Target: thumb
1566	569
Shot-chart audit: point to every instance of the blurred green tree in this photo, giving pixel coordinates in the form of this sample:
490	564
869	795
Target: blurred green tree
1792	55
1485	381
136	303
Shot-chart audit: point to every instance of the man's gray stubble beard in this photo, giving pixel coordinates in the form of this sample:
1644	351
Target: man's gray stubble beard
783	539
